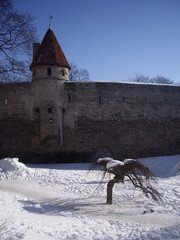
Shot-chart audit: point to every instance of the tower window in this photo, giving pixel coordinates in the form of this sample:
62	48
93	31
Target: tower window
63	72
5	101
34	73
49	72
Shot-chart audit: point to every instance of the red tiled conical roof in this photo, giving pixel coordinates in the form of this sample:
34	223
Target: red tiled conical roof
50	52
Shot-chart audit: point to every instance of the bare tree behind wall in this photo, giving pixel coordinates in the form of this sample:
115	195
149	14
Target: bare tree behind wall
17	32
141	78
77	74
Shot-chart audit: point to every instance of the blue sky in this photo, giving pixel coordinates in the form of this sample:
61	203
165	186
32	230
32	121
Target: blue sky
114	39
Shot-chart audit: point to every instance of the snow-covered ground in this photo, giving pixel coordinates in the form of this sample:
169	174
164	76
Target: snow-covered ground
64	201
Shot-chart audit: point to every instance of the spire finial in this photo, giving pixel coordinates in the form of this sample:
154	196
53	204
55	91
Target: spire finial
50	17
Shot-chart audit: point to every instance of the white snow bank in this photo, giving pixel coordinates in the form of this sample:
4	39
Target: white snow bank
62	201
164	166
11	164
11	168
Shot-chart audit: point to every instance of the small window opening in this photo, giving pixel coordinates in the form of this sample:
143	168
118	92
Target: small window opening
37	110
34	73
69	98
63	110
123	99
5	101
100	99
63	72
50	120
49	110
49	72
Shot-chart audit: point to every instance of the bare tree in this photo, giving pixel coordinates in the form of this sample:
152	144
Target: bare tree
161	79
140	78
76	74
145	79
139	174
17	32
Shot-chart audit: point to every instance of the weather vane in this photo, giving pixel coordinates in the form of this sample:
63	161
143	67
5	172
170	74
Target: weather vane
50	17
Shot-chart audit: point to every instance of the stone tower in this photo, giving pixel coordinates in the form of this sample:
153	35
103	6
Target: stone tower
49	61
50	70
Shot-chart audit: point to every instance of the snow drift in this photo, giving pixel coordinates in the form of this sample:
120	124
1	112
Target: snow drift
62	201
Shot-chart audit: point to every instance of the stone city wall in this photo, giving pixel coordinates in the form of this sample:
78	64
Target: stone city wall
52	121
129	120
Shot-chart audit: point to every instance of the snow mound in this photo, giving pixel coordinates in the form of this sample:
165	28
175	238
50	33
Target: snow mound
175	171
11	168
11	164
163	166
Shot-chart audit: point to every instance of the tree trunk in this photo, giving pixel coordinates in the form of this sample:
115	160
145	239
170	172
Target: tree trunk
109	190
